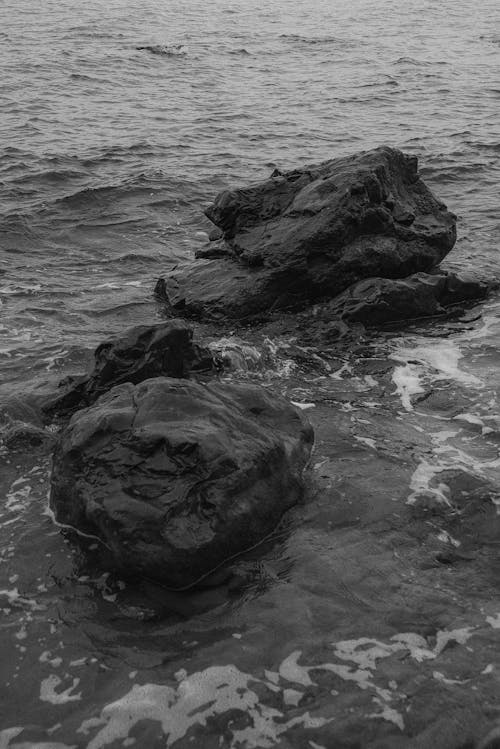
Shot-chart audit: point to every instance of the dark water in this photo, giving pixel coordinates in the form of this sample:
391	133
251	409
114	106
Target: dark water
108	156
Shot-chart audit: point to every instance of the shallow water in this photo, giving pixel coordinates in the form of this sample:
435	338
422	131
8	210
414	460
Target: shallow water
109	155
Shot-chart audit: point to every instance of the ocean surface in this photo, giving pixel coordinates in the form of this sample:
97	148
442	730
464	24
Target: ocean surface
120	121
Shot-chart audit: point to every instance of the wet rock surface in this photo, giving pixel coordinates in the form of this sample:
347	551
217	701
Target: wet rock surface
308	234
174	477
377	301
138	354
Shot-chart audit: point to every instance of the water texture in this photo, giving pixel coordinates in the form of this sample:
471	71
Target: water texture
119	122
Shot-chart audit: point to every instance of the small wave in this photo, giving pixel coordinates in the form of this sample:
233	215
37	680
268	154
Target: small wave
452	172
388	81
16	289
12	151
89	196
241	51
82	77
86	196
119	153
418	63
495	147
315	39
131	257
52	176
58	175
126	307
491	39
15	229
166	50
91	33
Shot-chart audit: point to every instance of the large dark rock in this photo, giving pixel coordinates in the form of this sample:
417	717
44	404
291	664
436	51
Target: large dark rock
175	477
382	300
138	354
308	234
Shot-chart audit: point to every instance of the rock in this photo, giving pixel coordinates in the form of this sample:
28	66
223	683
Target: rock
381	300
175	477
140	353
167	50
215	234
214	249
308	234
22	436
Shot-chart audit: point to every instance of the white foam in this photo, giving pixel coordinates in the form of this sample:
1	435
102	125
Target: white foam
48	511
81	662
272	676
14	597
345	369
201	695
303	406
237	353
447	538
46	657
494	621
7	735
366	441
444	636
445	680
54	359
18	499
470	418
389	714
443	436
48	691
455	459
440	358
431	361
487	323
291	671
219	689
292	697
20	287
357	651
420	483
407	381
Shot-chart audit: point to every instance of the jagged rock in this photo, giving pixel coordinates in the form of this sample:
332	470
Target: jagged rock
175	477
380	300
138	354
308	234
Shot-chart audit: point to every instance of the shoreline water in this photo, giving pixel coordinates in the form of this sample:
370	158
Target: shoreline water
369	619
334	560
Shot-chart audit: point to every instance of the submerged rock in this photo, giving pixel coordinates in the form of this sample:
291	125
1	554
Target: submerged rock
308	234
138	354
175	477
380	300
